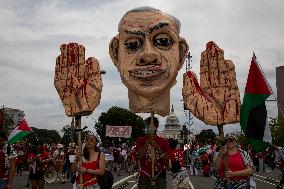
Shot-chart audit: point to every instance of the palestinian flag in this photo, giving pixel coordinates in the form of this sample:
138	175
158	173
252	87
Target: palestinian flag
19	132
253	118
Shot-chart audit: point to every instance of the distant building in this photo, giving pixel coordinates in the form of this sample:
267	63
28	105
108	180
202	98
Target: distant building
15	114
172	126
280	88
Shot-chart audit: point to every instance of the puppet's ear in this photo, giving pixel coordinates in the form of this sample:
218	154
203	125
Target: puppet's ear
183	49
113	50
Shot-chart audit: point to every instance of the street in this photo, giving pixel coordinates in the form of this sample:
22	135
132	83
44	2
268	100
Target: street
264	180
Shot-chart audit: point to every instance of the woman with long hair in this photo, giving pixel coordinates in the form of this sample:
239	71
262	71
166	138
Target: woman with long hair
93	162
234	166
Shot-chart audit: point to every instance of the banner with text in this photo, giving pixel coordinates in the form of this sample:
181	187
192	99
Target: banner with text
118	131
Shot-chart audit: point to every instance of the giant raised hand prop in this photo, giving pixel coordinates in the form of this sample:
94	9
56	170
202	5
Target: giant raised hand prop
77	81
216	101
148	52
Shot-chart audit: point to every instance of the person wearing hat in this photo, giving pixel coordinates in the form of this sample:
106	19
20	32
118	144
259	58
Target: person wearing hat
7	160
234	165
93	162
143	156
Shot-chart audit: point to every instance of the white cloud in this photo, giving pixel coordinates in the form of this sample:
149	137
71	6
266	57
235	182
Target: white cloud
32	31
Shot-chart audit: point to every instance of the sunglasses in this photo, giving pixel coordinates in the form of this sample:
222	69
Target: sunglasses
230	140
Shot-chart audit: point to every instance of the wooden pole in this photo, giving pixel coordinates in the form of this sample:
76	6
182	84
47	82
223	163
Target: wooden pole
221	132
226	168
225	158
78	125
153	153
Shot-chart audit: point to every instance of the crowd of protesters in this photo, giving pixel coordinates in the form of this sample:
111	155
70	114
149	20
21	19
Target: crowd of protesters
120	158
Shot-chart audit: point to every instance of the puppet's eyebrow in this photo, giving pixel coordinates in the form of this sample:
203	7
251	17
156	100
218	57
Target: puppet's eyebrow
158	26
135	32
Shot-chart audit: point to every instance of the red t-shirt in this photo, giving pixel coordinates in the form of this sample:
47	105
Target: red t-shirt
235	163
146	160
177	154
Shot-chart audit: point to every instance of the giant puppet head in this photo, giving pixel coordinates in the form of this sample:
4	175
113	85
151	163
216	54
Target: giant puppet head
148	52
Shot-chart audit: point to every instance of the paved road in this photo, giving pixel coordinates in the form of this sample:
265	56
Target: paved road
21	181
264	180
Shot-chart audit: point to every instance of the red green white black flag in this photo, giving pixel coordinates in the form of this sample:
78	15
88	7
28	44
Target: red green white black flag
19	132
253	118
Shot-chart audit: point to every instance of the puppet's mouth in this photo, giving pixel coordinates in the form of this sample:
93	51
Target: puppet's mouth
148	73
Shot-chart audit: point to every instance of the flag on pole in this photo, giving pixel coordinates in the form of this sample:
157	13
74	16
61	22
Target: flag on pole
253	118
19	132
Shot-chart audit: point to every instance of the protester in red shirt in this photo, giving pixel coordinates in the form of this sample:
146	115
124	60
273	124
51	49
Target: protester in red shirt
176	154
38	164
234	165
93	162
143	155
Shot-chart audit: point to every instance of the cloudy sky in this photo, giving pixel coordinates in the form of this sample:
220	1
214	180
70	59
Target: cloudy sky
33	30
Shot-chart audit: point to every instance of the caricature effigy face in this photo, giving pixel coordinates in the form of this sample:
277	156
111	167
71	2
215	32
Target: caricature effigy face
148	52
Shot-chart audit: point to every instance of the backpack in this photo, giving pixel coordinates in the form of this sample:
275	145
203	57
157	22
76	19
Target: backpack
105	181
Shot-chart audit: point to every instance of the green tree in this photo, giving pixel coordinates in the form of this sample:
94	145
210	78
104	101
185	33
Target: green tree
117	116
42	136
66	138
277	130
205	135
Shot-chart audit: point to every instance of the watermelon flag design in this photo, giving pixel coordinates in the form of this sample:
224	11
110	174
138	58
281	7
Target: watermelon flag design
19	132
253	118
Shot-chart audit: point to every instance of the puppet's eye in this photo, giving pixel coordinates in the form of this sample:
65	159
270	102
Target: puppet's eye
133	44
163	41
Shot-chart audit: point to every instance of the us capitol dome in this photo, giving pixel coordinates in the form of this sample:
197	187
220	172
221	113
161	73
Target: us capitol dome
172	126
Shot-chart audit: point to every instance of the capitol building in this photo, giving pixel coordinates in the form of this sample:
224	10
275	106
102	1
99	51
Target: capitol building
172	127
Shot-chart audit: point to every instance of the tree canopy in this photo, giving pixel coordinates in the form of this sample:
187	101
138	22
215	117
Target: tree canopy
277	130
205	135
42	136
66	138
